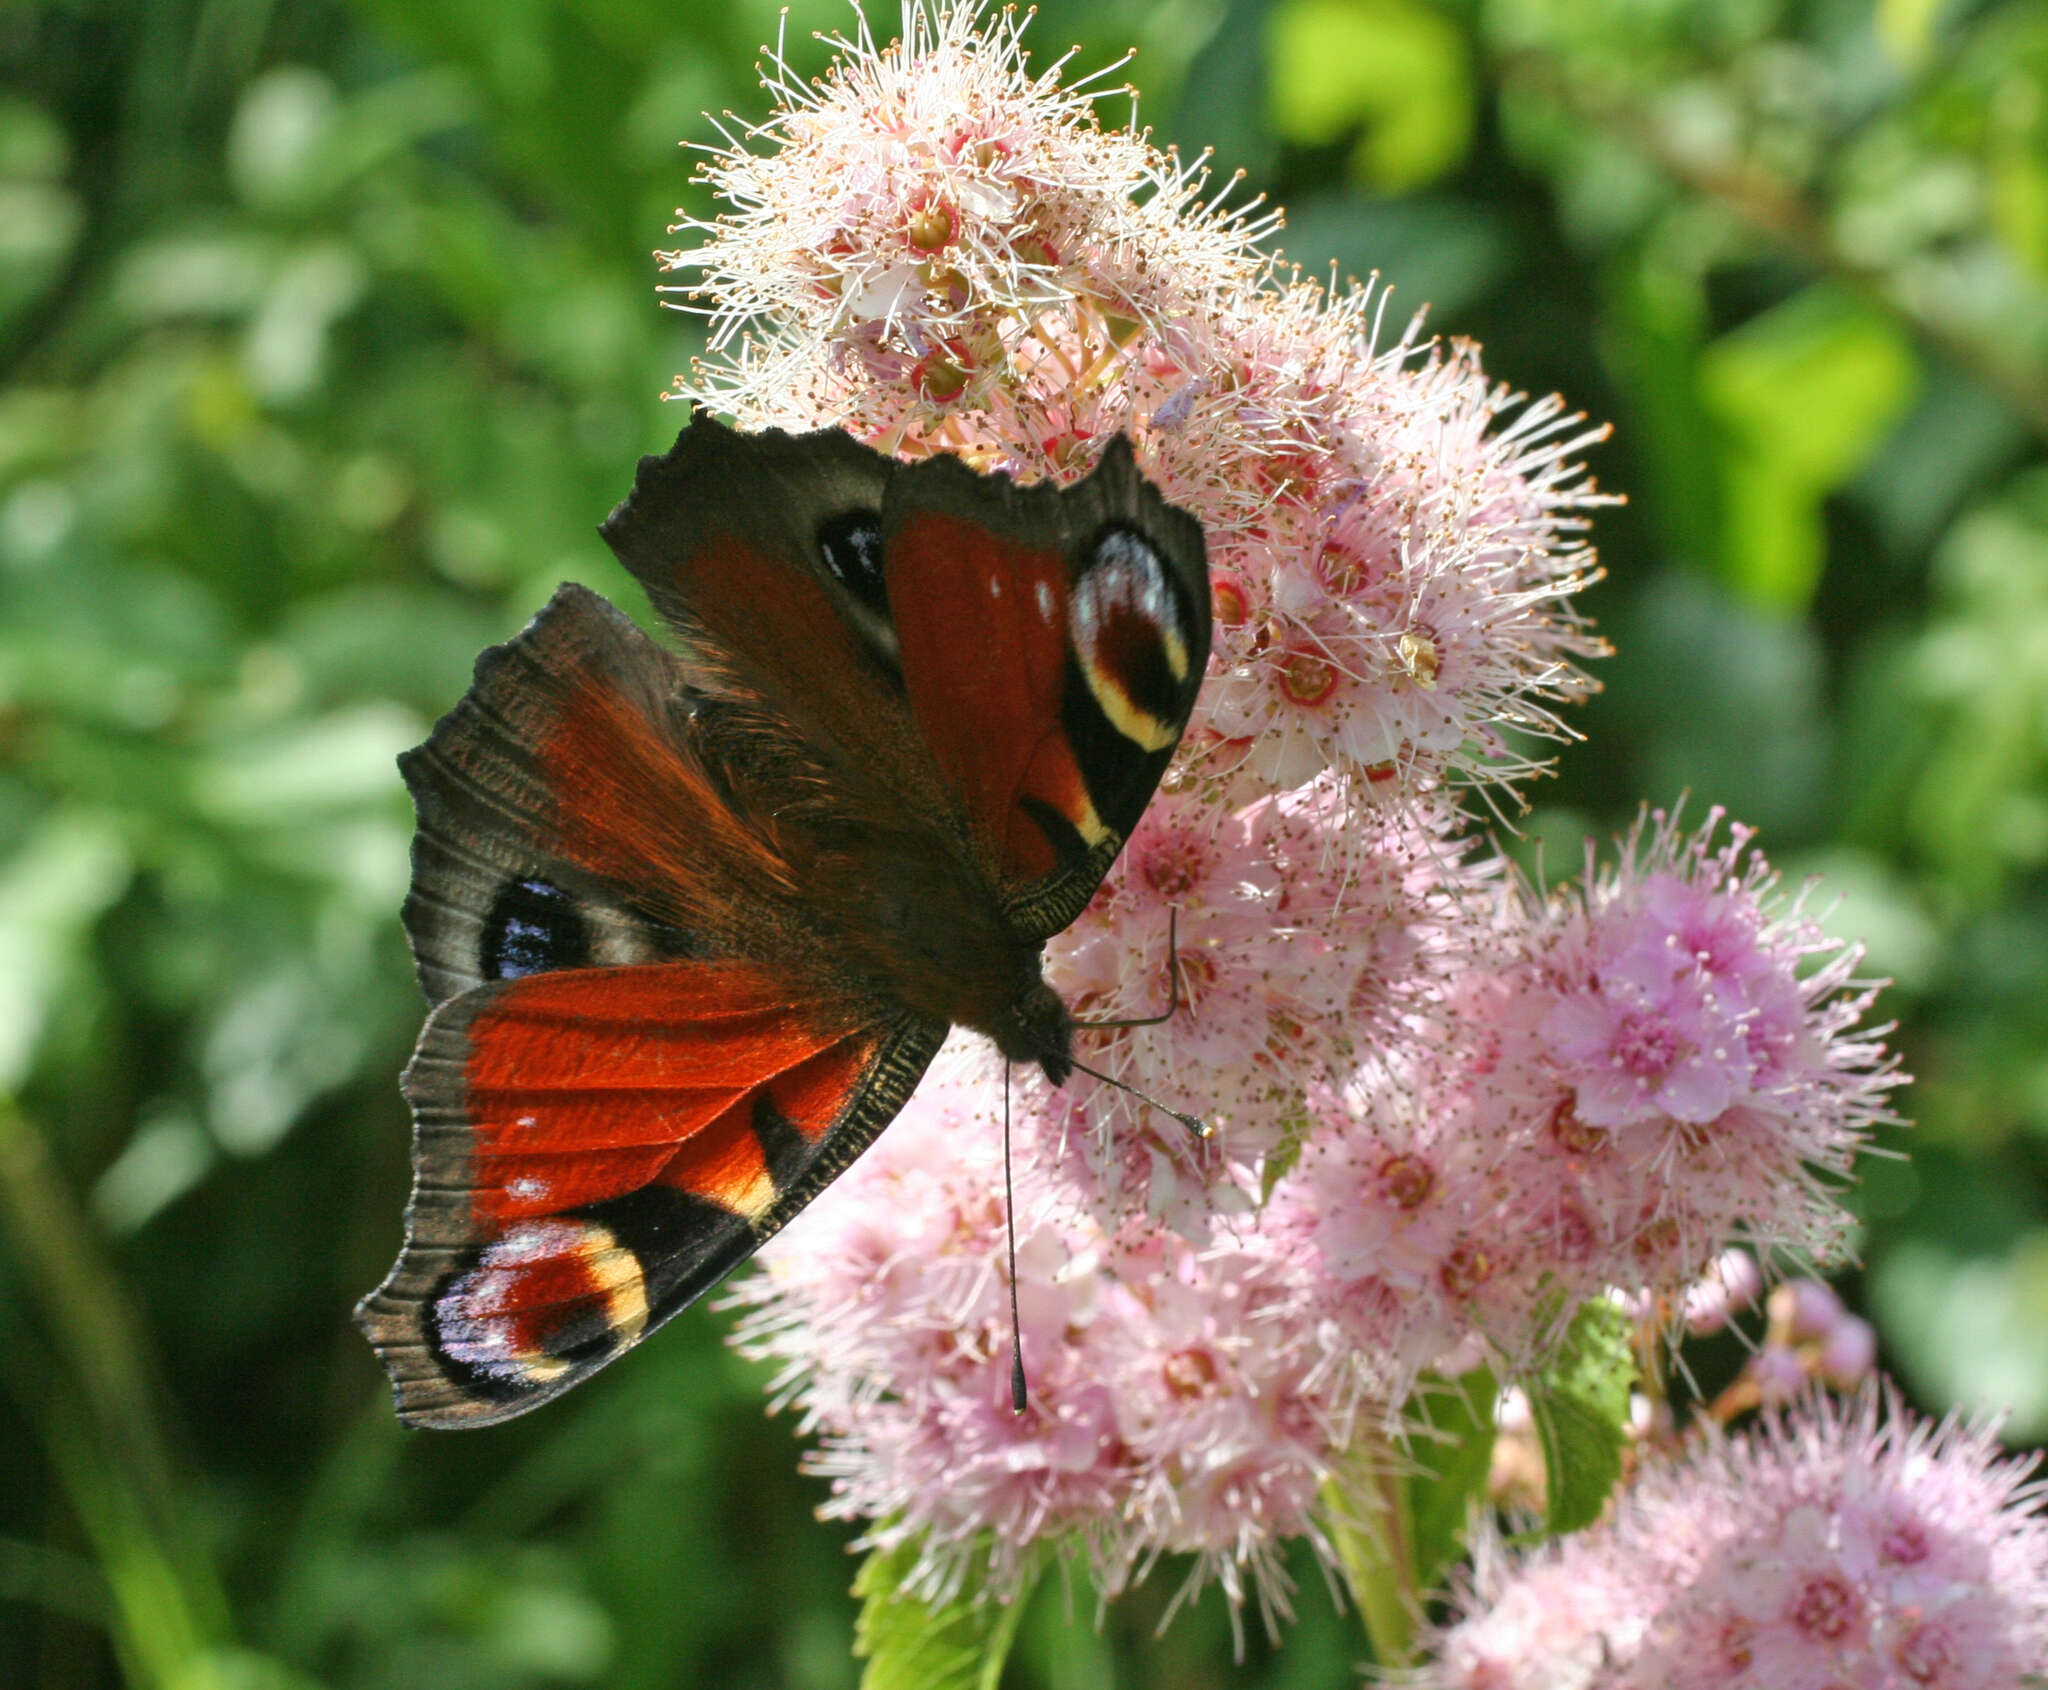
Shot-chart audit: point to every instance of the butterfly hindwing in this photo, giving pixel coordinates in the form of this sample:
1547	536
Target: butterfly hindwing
595	1149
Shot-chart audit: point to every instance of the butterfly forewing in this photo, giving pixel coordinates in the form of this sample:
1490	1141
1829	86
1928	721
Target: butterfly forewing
566	819
1052	642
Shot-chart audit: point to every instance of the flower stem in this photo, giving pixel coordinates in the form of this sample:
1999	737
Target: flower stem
1370	1525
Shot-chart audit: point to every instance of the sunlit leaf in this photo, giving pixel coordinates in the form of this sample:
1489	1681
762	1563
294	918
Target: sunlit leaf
1972	1327
1580	1406
1906	28
1453	1458
911	1644
342	759
52	889
1803	394
1395	69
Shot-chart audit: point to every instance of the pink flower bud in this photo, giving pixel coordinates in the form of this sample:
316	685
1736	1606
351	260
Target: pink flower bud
1848	1353
1780	1373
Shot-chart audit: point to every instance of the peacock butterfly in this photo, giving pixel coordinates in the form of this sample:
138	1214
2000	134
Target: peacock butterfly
693	924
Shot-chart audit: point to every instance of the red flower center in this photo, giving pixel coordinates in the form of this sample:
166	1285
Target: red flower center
1572	1134
1174	867
1926	1655
1407	1181
1905	1543
1342	571
941	374
1227	598
1657	1239
931	226
1189	1373
1465	1269
1827	1607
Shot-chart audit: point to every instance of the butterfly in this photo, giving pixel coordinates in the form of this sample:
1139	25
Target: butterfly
693	922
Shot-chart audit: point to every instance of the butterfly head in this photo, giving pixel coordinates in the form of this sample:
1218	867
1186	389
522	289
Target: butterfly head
1038	1028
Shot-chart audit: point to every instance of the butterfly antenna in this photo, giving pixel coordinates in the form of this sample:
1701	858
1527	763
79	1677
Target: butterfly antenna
1018	1396
1194	1123
1173	988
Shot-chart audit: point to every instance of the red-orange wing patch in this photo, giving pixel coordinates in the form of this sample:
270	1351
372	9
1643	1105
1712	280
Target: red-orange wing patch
982	626
568	819
1051	643
595	1149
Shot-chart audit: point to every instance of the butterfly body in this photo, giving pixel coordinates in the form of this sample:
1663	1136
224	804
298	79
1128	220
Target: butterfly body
693	923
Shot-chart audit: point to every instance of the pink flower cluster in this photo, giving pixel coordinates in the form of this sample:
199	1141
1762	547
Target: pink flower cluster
1689	1040
1169	1401
1630	1077
1406	1190
1299	940
1448	1109
945	253
1831	1548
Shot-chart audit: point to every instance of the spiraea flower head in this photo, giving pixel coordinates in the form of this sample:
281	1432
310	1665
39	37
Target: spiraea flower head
1393	571
1832	1547
938	250
1529	1147
1300	939
1446	1111
1170	1405
943	250
1693	1042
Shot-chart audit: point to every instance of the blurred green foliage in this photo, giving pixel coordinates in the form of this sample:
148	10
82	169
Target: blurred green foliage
327	336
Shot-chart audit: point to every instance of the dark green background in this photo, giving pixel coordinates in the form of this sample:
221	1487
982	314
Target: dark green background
328	334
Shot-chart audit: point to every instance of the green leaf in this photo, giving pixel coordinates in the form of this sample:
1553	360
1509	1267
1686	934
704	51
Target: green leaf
1803	394
1452	1462
1905	29
1580	1404
1294	1131
1397	68
65	876
911	1644
1970	1326
2018	182
1653	313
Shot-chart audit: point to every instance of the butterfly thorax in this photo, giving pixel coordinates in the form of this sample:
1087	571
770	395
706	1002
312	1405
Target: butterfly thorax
928	934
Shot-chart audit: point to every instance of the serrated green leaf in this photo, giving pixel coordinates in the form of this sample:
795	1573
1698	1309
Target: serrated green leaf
1580	1405
1453	1461
910	1644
